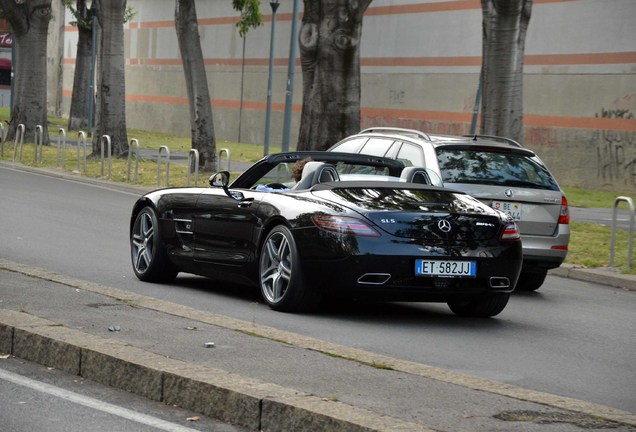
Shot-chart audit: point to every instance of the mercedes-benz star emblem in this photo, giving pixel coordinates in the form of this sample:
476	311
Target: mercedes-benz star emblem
444	225
508	193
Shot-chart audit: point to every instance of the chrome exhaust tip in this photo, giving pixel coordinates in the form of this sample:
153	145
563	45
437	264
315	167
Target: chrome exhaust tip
499	282
374	278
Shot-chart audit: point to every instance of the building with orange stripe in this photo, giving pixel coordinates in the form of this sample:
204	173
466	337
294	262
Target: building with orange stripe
420	64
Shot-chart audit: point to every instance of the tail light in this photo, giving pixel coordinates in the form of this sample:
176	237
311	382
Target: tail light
564	215
344	225
511	232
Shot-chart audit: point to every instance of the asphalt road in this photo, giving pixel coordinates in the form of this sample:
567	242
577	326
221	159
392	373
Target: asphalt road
570	338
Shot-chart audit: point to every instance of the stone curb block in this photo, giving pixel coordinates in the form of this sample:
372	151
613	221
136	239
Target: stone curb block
223	395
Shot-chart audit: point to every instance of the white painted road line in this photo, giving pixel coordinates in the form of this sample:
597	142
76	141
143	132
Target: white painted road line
92	403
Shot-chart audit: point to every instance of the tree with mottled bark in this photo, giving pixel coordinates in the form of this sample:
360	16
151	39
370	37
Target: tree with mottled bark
29	21
330	58
111	84
201	121
505	23
79	111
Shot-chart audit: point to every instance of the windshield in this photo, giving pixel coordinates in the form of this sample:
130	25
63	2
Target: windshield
493	168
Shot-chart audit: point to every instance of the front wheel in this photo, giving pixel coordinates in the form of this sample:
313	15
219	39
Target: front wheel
149	258
280	274
483	307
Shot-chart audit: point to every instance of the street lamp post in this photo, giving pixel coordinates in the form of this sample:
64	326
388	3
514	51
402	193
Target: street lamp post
268	114
289	94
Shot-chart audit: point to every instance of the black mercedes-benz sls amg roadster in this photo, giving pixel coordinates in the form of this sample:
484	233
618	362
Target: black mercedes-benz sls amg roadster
351	224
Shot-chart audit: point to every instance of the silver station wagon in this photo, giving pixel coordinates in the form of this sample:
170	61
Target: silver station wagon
497	171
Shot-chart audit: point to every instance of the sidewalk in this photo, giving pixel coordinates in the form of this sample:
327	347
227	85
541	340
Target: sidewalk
255	376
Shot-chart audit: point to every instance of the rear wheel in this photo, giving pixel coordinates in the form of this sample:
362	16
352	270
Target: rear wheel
280	274
483	307
531	279
149	258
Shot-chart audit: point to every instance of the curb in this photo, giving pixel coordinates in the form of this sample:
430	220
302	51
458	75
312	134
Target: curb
225	396
602	276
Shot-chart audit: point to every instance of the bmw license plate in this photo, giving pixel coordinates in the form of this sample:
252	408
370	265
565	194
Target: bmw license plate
445	268
512	209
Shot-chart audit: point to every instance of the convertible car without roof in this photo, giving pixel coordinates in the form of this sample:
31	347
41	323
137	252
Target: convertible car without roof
355	225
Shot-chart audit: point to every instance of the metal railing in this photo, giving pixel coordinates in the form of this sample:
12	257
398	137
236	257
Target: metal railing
629	202
106	138
166	150
133	147
19	140
193	154
38	141
227	157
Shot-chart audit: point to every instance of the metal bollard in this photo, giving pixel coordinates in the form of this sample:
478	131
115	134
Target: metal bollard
194	153
167	152
39	138
19	137
631	230
61	141
2	136
81	141
133	147
227	157
110	161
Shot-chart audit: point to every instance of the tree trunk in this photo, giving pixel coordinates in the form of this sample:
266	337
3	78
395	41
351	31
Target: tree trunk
330	58
505	23
201	121
30	22
111	118
78	116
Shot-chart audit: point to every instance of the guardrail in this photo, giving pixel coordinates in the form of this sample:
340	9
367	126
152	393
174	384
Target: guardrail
19	138
133	147
167	157
106	138
617	201
193	154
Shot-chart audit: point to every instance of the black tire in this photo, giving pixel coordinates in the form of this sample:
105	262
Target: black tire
281	280
531	280
150	261
483	307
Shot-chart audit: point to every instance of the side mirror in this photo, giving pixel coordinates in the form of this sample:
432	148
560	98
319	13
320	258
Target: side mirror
220	179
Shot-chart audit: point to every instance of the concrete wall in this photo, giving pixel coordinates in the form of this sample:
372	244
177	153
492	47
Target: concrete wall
420	69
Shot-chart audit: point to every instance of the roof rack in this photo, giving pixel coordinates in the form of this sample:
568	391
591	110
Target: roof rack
417	133
495	138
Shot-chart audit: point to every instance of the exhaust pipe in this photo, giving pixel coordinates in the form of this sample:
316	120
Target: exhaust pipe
499	282
374	278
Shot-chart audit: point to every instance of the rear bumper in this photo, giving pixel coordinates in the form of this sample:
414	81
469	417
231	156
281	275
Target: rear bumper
546	251
390	277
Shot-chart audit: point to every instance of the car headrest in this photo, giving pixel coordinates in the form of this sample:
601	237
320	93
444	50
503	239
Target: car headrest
316	172
415	175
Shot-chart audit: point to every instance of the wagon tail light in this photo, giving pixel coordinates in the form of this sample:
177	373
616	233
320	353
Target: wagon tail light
511	233
564	215
344	225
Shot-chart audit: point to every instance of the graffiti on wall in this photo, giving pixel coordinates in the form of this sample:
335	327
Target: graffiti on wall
616	150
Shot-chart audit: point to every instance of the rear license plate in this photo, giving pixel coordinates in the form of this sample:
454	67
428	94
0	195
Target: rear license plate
445	268
512	209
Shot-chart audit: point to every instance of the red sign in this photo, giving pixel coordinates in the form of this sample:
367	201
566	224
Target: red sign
6	39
